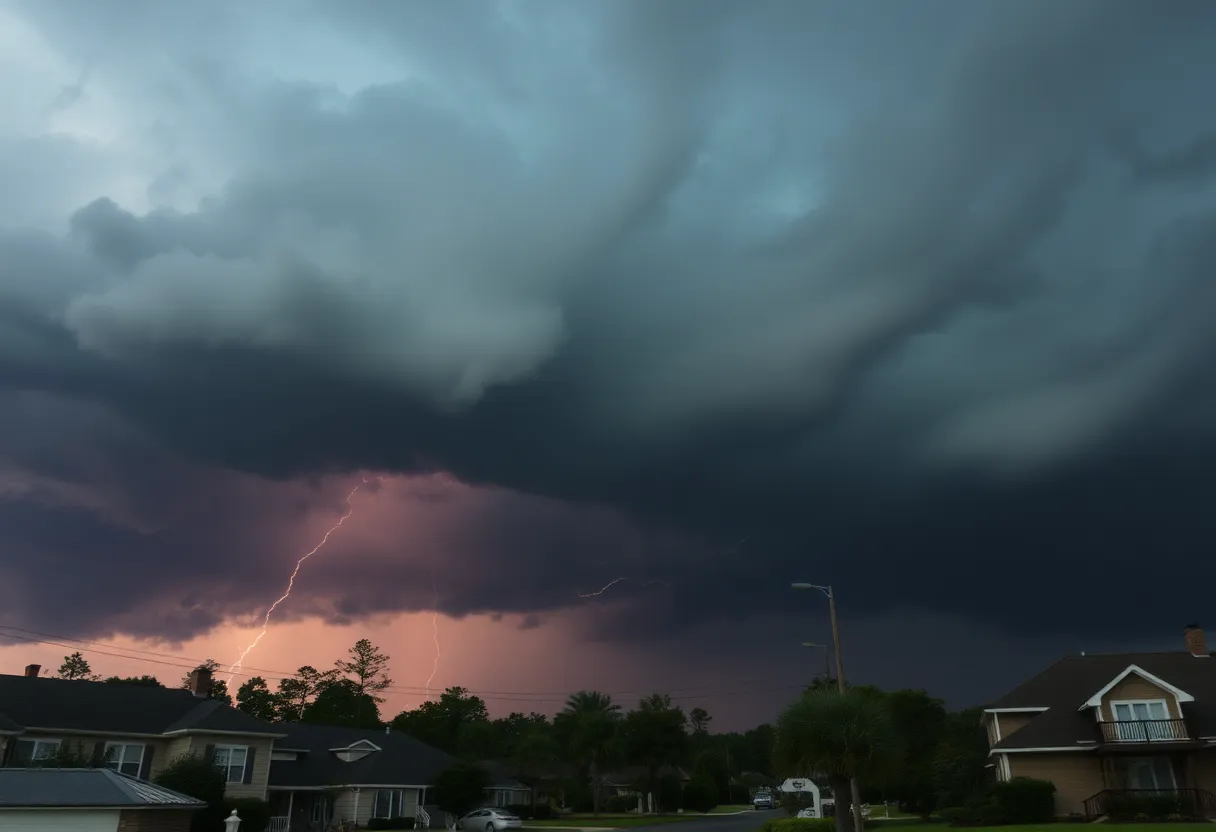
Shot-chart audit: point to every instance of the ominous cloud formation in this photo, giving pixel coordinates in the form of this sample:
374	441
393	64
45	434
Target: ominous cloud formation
905	296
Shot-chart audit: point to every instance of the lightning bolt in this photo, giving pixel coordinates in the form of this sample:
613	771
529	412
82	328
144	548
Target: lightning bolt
613	583
292	580
434	634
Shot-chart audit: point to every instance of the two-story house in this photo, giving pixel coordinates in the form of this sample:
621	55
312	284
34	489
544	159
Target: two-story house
1101	726
133	729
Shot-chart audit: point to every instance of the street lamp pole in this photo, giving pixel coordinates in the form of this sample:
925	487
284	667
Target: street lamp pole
855	792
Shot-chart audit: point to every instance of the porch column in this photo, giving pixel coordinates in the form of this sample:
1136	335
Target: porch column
291	796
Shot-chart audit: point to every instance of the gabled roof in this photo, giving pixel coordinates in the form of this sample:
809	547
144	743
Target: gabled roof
84	787
401	760
1096	700
73	705
1066	686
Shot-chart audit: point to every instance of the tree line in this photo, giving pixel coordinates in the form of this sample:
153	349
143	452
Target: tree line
902	746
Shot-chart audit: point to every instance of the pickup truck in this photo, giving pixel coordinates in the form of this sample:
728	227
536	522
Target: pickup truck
764	800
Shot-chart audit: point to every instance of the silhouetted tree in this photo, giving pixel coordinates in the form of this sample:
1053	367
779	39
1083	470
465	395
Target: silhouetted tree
369	667
76	667
257	700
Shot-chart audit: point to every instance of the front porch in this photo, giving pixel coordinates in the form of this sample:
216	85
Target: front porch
1165	785
299	811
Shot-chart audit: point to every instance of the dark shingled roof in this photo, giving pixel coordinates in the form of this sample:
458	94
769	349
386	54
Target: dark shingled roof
84	787
7	726
1065	686
402	760
39	702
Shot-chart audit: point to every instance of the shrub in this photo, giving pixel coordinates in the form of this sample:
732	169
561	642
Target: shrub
196	776
542	811
700	794
385	823
461	788
619	804
799	825
1122	807
1026	800
254	813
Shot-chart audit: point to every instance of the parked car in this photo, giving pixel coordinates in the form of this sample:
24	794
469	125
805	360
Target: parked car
764	800
489	820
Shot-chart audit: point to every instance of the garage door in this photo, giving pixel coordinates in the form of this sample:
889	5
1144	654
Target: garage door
59	820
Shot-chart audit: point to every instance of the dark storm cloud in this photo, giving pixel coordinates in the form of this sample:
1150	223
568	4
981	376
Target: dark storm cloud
904	296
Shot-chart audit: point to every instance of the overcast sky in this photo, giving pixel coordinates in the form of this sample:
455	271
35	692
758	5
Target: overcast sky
914	299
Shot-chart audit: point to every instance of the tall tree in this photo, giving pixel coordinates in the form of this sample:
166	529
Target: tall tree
588	728
919	721
654	737
960	758
842	736
369	668
146	681
342	703
255	698
219	688
76	667
698	720
447	724
297	692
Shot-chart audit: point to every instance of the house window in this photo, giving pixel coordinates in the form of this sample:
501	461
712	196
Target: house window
318	809
1142	720
33	751
126	758
1147	773
390	803
231	758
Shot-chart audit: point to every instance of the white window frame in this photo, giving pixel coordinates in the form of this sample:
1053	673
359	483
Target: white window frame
1173	784
1134	734
318	809
396	801
35	756
244	749
116	763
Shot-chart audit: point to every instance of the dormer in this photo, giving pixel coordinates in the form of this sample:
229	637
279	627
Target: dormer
1137	706
355	751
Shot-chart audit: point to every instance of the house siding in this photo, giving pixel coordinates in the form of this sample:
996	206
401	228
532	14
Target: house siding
347	807
197	744
1013	722
1134	687
1077	776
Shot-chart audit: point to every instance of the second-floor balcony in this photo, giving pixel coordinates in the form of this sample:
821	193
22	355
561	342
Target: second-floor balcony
1144	730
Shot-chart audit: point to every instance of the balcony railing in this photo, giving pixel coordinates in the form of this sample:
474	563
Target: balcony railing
1145	730
1151	804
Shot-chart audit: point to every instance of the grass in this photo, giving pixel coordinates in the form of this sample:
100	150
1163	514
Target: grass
608	821
936	826
730	809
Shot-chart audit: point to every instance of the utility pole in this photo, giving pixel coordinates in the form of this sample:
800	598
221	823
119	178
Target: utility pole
855	792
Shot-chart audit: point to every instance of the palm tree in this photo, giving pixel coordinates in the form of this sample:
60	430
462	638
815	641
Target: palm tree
840	735
588	725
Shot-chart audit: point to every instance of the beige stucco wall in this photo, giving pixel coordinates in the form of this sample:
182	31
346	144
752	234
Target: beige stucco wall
197	744
1134	687
1077	775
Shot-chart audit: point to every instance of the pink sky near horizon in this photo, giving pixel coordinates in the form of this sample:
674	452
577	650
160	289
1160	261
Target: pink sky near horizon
513	669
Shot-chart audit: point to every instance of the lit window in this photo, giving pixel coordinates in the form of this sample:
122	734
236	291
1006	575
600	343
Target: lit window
231	759
126	758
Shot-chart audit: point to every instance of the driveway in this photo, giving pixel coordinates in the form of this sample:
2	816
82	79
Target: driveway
746	822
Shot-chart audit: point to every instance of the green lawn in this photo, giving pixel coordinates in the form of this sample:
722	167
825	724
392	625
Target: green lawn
727	810
608	821
1059	827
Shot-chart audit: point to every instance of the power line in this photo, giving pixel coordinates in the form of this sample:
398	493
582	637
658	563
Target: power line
535	697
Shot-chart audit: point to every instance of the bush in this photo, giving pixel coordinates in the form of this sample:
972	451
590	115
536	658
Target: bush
193	775
461	788
542	811
700	794
799	825
619	804
1026	800
1022	800
254	813
383	823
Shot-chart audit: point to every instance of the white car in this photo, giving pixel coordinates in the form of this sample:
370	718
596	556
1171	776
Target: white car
489	820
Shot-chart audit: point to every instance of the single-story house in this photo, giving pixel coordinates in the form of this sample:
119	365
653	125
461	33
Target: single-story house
321	774
89	800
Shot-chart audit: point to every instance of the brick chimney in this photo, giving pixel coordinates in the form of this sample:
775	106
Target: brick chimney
200	682
1195	642
32	670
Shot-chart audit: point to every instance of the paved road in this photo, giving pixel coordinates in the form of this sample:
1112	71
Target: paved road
746	822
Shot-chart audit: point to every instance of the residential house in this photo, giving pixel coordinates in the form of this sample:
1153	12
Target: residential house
1107	726
134	729
321	774
89	800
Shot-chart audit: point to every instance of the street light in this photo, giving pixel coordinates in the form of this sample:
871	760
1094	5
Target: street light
855	792
827	667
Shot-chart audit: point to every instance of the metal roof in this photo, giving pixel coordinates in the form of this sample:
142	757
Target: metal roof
84	787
